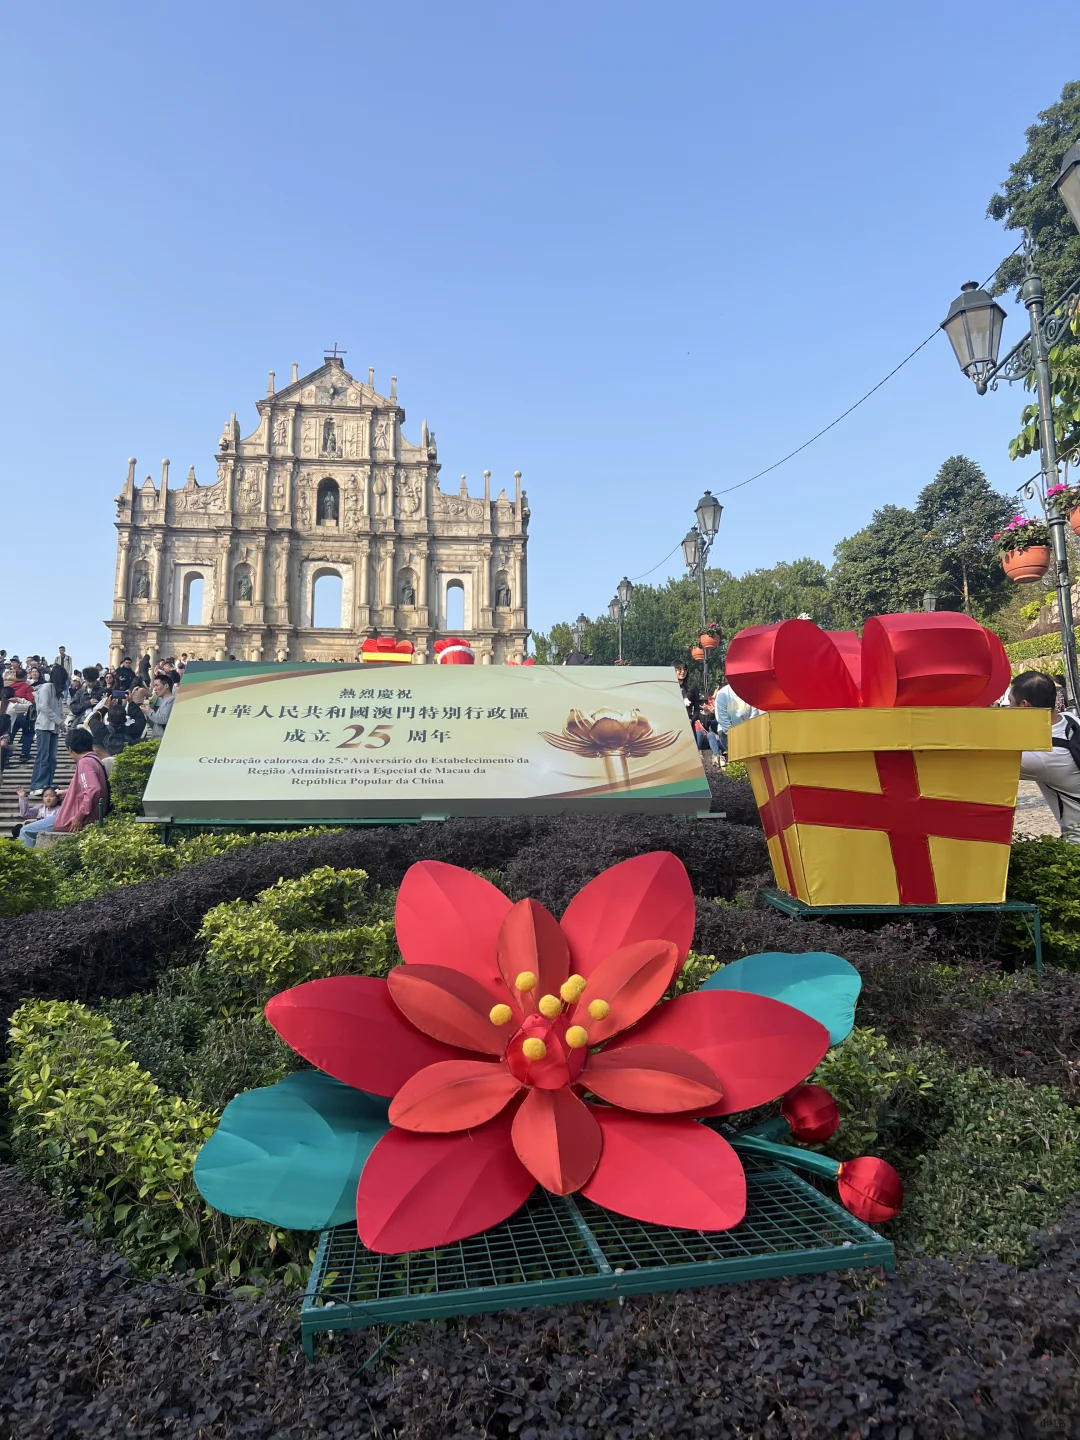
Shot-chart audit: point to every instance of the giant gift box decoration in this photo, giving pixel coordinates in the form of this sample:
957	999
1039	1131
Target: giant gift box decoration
511	1050
880	773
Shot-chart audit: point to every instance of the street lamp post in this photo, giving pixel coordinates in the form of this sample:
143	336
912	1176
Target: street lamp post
973	326
619	604
695	547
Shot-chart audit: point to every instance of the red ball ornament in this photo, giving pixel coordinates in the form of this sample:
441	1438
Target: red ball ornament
811	1112
871	1189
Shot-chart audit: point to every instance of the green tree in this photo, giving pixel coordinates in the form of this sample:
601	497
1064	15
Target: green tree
882	569
959	512
1028	200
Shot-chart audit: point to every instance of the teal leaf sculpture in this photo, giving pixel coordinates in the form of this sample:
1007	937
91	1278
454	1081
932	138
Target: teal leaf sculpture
291	1154
821	985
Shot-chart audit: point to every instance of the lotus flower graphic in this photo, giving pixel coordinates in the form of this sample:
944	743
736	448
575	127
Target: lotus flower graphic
610	735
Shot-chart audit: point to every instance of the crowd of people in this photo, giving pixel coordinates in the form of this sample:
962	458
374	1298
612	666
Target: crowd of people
712	716
95	712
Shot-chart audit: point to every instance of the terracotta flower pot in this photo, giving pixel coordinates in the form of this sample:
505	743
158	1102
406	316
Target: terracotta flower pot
1074	519
709	642
1024	566
698	653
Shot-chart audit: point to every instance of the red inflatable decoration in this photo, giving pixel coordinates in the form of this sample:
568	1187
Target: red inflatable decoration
498	1023
454	652
871	1189
941	658
811	1113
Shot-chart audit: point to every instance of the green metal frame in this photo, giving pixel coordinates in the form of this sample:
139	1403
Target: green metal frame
562	1249
1026	913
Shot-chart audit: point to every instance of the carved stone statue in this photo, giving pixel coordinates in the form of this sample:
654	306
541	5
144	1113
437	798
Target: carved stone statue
502	596
328	504
329	439
141	587
408	593
243	587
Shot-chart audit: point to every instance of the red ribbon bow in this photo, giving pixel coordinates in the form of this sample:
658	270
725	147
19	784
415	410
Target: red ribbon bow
941	658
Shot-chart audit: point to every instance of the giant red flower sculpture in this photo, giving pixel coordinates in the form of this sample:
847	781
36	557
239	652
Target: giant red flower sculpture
499	1024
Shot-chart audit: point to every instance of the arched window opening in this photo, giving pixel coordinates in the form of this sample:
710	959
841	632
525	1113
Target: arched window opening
503	599
193	600
140	581
455	605
406	594
328	503
242	584
326	601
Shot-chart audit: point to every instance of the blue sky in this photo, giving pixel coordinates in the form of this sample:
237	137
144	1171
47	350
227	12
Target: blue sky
631	250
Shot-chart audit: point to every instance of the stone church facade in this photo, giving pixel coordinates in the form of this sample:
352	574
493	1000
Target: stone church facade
326	485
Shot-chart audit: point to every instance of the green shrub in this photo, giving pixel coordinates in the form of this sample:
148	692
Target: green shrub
192	1047
879	1091
1036	647
328	922
27	880
95	1130
695	972
1005	1164
1046	872
123	851
736	770
984	1161
130	775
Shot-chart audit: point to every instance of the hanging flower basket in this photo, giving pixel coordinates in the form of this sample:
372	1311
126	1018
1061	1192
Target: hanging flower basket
1027	565
1024	546
708	641
698	653
1067	498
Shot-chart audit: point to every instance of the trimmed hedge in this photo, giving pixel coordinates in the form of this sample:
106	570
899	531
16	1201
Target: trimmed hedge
1037	646
978	1349
119	942
96	1130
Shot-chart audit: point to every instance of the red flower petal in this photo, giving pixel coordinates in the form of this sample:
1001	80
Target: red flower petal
449	916
557	1139
419	1191
757	1047
530	939
647	898
453	1095
656	1079
349	1027
668	1172
631	980
447	1005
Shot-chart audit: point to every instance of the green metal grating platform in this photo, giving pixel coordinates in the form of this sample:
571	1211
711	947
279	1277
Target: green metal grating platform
557	1250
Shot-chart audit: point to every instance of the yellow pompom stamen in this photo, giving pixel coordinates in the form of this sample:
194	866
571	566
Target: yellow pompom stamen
577	1037
500	1014
533	1049
525	981
578	980
599	1009
550	1005
570	990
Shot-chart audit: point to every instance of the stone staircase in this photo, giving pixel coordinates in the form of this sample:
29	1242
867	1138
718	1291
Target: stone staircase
17	777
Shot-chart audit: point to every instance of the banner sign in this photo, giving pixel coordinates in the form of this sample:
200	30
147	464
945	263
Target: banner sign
295	741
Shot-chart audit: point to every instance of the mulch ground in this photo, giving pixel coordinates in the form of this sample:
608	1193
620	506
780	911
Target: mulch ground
977	1349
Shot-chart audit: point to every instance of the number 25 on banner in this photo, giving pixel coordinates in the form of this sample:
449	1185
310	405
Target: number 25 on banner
381	734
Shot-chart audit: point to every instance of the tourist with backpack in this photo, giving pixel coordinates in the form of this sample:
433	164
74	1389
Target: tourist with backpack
1055	771
85	800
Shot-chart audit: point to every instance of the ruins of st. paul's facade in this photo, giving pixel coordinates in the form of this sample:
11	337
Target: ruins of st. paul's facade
326	486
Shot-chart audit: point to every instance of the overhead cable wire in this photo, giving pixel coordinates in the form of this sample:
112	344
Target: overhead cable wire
832	423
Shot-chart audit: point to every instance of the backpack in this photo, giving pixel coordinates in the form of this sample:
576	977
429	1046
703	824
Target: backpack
1070	741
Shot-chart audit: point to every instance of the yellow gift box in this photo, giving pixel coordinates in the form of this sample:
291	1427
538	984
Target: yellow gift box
906	806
